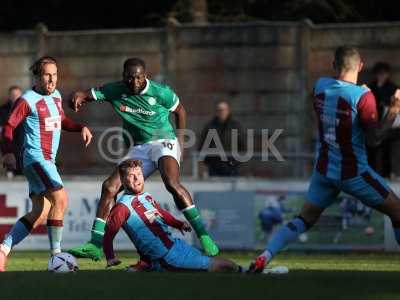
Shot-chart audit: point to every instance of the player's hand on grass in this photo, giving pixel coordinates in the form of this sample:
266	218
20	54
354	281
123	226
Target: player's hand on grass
76	101
9	161
86	136
186	227
113	262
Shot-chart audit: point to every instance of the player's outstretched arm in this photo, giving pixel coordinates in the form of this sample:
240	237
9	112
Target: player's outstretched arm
78	98
118	216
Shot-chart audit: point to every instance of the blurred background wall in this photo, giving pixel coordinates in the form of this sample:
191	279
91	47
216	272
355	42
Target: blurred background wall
265	70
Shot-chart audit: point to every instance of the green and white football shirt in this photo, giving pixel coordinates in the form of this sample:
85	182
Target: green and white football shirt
146	115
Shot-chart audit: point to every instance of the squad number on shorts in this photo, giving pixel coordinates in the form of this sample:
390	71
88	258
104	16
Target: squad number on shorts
168	145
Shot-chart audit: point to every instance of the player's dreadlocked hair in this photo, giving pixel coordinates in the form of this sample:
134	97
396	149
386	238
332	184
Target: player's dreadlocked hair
37	67
128	164
134	62
346	59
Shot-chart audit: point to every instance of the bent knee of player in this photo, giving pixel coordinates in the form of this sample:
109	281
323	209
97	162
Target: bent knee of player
39	213
391	208
309	223
310	214
61	200
57	198
110	188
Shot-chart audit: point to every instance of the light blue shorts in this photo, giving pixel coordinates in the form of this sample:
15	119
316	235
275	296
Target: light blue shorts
42	176
182	257
369	187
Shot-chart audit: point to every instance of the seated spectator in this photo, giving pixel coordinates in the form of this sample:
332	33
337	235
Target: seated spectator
14	92
223	123
383	88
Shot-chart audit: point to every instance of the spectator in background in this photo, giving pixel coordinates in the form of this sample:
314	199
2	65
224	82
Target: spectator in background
14	92
382	86
223	123
383	89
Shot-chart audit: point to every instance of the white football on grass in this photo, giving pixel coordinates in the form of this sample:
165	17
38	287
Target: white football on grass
62	263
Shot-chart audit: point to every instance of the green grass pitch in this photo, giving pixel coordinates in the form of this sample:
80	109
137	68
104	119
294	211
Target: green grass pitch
311	276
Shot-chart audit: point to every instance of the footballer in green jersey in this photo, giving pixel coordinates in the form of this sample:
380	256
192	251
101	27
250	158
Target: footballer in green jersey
144	106
145	115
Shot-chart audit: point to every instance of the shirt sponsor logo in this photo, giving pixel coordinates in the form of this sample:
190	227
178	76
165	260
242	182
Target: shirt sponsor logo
52	123
141	111
151	215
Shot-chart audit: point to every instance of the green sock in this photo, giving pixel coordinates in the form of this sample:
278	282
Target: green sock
98	229
192	215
